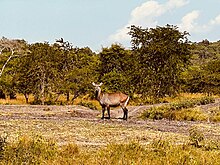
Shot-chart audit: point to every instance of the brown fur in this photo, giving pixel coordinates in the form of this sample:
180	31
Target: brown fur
108	100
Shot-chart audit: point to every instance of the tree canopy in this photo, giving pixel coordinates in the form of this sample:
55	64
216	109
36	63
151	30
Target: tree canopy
162	53
161	62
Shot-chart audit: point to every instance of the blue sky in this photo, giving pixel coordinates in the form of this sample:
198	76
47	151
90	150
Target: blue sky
99	23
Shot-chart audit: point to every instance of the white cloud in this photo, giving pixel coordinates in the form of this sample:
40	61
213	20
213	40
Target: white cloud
176	3
188	22
146	15
149	13
215	21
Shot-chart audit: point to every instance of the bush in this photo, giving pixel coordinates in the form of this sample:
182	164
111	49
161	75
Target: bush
195	136
184	110
122	154
29	150
88	105
155	113
214	114
205	100
3	144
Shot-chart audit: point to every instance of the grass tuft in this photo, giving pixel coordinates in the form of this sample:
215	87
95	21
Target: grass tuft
184	110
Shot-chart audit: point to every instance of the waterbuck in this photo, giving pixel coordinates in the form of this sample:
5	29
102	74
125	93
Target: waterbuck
108	100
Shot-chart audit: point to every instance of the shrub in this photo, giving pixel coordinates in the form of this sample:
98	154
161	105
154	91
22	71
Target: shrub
205	100
88	105
155	113
215	114
212	145
3	144
184	110
131	153
195	136
30	150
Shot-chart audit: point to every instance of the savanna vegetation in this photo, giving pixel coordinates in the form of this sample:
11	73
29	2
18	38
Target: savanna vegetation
161	62
162	66
38	150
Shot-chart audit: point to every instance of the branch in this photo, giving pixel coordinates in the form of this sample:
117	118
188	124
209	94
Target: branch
3	67
2	50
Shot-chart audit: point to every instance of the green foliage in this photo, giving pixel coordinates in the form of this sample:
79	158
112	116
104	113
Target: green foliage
203	75
160	63
116	68
184	110
88	104
51	70
162	53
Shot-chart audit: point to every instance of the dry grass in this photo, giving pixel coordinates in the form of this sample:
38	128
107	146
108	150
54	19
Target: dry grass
86	133
53	136
39	150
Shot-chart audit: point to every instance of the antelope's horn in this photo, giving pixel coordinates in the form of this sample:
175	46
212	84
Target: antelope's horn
93	84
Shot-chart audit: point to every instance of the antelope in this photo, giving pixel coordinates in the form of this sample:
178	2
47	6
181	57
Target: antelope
108	100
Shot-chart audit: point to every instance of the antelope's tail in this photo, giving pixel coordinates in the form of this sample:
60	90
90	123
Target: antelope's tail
126	102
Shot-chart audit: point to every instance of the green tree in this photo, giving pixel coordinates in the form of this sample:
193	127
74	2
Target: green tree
10	51
116	68
84	71
162	53
77	69
203	74
203	79
37	71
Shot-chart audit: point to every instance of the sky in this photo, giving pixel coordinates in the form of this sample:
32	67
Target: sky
100	23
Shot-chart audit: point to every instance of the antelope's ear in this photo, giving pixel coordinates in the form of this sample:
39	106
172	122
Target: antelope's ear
93	84
100	84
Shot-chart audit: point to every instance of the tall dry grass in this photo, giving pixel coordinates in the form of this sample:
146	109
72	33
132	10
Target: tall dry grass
38	150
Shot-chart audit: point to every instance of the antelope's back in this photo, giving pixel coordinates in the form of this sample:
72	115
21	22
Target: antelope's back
115	98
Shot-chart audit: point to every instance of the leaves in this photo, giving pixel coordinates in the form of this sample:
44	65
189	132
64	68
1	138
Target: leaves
161	62
162	54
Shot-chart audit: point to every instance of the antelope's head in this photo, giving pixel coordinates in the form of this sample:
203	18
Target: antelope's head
97	86
97	89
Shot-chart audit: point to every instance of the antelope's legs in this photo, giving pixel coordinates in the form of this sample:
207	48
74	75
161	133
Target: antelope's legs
108	109
103	112
125	110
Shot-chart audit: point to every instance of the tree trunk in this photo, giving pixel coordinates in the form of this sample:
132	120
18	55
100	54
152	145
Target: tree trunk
76	94
12	95
26	98
42	85
67	96
2	95
58	95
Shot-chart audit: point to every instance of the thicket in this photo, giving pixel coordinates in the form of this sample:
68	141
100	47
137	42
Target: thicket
161	62
38	150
